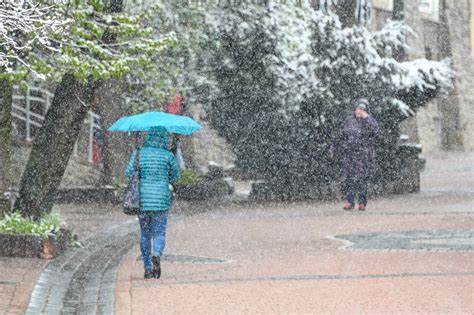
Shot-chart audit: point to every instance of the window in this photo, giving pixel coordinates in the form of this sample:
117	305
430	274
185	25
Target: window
428	53
386	5
429	9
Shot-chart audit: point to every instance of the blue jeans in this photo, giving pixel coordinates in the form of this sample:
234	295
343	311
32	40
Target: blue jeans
355	187
153	227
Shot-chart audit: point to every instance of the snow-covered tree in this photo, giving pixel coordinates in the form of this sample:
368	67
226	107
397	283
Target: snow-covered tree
242	46
25	26
99	43
353	62
284	78
86	40
175	71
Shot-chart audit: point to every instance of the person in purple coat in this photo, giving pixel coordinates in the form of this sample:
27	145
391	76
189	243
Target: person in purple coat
355	144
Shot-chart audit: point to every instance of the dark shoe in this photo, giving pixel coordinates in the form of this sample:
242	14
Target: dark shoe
362	207
148	274
348	206
156	267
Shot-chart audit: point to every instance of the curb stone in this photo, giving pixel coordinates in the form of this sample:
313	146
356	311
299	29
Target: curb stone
82	280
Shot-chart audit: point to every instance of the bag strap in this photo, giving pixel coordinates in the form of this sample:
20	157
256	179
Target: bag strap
136	163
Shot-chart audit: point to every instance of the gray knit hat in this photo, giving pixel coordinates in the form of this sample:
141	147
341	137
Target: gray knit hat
361	103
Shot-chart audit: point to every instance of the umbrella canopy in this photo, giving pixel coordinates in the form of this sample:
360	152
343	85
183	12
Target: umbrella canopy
144	122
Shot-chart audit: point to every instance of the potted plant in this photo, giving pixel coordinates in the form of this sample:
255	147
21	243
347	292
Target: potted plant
23	237
190	185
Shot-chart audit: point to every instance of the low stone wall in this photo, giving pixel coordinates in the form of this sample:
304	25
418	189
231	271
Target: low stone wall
203	191
408	166
33	246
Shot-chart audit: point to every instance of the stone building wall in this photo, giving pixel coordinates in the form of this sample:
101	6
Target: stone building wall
445	123
459	15
425	128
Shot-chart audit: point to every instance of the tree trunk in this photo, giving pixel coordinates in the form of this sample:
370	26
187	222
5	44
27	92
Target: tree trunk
6	100
397	15
450	120
52	148
108	37
102	103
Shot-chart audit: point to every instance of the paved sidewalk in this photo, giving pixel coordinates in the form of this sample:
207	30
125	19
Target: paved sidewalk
407	254
268	257
18	276
17	279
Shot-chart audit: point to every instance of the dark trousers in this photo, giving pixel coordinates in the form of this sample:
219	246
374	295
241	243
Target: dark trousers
353	187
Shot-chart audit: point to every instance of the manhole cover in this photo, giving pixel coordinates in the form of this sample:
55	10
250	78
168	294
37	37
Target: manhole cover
449	240
188	259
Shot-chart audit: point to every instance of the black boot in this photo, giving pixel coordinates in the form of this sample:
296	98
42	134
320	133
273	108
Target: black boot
156	267
148	274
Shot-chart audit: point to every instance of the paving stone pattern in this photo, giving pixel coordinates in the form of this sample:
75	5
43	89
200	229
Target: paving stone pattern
448	240
263	258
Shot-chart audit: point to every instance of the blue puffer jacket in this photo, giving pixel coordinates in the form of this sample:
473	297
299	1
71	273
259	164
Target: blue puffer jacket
157	169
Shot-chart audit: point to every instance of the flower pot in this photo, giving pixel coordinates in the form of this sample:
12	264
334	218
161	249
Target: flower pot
48	248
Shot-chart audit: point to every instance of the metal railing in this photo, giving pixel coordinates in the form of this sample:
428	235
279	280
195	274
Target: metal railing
30	107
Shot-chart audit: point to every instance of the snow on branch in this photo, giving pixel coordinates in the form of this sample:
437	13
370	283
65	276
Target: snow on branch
76	37
394	34
316	64
23	27
425	75
402	107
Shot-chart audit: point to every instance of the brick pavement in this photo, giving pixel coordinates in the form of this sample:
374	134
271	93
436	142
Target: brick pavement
17	279
18	276
286	258
299	262
273	257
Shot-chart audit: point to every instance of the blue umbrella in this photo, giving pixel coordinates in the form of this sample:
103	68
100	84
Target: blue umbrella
145	121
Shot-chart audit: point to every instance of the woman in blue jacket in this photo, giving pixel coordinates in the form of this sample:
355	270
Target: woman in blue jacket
158	169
